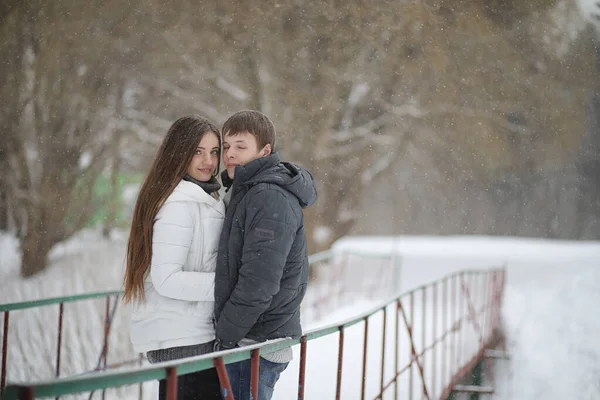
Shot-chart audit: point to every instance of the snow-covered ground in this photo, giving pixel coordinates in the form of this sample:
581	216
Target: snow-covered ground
85	263
550	315
550	305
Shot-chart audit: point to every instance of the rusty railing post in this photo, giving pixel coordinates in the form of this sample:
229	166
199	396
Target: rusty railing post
461	319
106	332
381	382
486	323
61	309
453	323
223	378
434	340
302	374
475	302
397	349
4	351
106	329
338	386
490	299
364	363
172	383
412	318
254	372
27	393
423	330
409	328
444	330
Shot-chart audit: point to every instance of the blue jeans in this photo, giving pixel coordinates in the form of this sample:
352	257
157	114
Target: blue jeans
239	377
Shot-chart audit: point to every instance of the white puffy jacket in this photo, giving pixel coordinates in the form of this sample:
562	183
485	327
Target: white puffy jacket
179	286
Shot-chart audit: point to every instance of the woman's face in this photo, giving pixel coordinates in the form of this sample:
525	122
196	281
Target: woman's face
206	158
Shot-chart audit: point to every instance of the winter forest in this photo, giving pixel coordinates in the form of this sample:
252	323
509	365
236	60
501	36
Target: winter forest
416	117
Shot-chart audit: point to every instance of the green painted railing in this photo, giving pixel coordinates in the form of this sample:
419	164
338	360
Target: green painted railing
6	309
483	314
57	300
105	380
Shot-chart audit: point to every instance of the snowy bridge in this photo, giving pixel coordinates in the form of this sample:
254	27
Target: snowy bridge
423	343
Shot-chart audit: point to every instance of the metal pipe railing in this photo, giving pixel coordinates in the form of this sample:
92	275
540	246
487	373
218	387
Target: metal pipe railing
61	301
103	364
404	305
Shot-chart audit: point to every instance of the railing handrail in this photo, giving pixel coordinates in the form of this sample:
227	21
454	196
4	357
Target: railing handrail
313	258
105	380
57	300
111	379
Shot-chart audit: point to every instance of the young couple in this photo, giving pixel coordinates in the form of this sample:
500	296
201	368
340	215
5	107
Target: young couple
206	274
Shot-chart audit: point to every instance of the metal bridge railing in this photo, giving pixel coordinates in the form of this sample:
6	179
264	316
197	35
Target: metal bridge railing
429	340
60	301
329	265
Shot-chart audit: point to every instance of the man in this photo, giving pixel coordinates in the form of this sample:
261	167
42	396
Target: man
262	263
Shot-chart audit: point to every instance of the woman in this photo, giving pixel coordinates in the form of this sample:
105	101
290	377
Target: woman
172	253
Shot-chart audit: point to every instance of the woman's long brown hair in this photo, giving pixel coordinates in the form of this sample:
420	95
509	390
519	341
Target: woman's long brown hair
169	167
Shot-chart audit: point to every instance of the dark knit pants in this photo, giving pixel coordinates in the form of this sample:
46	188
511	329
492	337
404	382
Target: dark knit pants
201	385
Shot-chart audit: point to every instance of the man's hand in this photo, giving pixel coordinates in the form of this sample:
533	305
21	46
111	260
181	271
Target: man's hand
218	346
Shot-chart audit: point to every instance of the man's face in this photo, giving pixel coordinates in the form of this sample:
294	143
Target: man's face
240	149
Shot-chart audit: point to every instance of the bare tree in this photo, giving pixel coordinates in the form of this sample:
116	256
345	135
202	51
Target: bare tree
58	121
305	68
352	88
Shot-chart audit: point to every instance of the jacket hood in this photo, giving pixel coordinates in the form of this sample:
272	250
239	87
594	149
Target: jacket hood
291	177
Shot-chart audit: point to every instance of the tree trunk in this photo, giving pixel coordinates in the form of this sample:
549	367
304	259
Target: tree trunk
45	224
3	208
113	206
34	249
317	219
115	202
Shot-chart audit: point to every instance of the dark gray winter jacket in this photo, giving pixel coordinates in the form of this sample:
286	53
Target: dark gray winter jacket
262	264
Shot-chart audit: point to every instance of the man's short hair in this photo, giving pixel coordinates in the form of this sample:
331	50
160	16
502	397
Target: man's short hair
253	122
